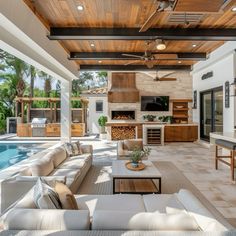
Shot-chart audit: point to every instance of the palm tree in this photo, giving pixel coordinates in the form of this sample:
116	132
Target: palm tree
47	82
33	74
12	74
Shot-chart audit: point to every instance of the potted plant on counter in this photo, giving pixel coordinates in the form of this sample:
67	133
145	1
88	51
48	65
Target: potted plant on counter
102	123
137	155
149	117
166	119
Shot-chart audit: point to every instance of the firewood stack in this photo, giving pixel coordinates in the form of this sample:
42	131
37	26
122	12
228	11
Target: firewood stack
121	132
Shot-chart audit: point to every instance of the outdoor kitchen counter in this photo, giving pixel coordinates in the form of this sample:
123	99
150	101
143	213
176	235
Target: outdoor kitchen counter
134	123
172	132
51	129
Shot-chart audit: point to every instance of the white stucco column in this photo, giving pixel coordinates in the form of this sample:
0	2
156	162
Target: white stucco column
65	111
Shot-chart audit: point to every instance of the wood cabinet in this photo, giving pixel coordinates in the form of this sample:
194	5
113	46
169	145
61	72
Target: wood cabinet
53	130
24	130
181	133
78	129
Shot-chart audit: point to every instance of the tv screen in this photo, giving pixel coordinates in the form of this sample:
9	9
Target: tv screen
155	103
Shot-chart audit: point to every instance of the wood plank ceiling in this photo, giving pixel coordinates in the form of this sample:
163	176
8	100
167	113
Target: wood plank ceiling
133	14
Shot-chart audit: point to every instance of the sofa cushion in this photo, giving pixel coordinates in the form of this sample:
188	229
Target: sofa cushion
128	220
131	144
45	197
42	219
156	202
27	201
57	155
72	164
67	198
69	173
86	157
120	202
73	149
203	217
174	205
42	167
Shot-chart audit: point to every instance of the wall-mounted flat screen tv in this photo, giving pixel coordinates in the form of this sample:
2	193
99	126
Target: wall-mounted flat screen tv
155	103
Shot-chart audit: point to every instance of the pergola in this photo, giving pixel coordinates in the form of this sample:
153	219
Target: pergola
52	105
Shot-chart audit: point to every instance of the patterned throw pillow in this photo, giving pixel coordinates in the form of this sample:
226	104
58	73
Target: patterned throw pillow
73	149
45	197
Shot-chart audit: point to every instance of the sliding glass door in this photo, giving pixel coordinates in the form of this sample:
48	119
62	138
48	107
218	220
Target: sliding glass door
211	114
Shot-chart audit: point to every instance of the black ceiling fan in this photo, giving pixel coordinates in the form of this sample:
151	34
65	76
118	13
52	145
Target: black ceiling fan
148	58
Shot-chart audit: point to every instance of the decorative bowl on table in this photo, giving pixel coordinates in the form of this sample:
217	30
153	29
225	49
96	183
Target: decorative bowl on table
139	166
179	107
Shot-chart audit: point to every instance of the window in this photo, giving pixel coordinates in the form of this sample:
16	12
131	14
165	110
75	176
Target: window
99	106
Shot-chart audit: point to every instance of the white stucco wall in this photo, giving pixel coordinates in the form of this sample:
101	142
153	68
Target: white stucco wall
93	127
222	63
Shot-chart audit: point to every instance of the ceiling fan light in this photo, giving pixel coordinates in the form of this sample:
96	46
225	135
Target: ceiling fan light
161	45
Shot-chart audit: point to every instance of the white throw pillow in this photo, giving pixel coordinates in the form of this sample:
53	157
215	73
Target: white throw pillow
45	197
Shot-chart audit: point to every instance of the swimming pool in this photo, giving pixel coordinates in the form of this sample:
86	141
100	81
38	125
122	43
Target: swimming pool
11	153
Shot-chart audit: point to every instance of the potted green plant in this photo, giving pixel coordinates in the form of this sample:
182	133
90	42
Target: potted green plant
166	119
137	155
149	117
102	123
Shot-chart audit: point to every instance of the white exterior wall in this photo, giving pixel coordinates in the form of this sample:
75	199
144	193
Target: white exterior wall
222	63
93	116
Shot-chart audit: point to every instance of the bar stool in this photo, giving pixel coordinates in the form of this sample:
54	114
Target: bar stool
229	146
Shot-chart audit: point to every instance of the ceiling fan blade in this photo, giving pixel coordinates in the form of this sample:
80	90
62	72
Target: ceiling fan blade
167	79
150	21
164	76
132	55
130	63
149	64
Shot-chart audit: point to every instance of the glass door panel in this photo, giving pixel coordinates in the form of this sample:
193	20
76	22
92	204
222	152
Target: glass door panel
211	115
206	119
218	111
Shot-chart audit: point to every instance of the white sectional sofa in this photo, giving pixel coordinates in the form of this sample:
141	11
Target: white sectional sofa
55	165
166	212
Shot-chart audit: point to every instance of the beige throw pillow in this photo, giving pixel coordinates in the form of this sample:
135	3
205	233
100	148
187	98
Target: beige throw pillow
66	197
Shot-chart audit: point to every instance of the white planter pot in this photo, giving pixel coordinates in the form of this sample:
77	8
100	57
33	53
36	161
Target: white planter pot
103	136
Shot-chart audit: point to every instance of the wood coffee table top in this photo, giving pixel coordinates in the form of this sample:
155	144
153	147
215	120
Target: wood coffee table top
119	170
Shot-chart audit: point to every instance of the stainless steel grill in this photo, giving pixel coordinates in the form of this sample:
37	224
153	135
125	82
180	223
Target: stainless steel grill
38	126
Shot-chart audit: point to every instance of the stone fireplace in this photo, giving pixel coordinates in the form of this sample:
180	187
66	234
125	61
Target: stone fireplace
122	115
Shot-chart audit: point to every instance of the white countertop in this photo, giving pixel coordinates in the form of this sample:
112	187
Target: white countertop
229	136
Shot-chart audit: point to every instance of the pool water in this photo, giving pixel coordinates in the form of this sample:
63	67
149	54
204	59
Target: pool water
10	154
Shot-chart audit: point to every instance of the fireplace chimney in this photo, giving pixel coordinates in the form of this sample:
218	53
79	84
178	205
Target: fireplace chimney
123	88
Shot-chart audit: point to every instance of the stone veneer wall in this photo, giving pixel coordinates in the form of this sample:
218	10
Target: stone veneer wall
179	89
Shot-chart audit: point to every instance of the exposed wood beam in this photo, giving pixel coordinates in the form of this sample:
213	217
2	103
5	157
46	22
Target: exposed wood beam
203	34
132	67
119	56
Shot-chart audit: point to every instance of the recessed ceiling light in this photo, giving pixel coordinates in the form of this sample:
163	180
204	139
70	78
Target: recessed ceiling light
99	61
194	45
233	9
179	62
92	45
80	8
